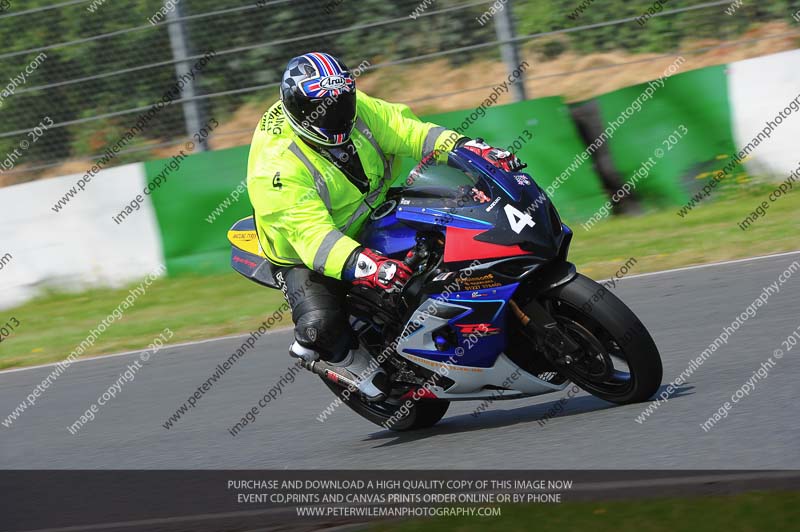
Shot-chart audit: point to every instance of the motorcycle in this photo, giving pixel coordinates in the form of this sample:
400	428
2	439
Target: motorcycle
494	309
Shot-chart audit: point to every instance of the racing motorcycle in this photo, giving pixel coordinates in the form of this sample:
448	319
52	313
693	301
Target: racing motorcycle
494	309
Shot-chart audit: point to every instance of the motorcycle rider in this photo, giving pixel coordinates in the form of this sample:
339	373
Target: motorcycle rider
321	159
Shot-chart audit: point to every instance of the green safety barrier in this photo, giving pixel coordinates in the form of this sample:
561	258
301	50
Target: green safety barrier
192	193
695	101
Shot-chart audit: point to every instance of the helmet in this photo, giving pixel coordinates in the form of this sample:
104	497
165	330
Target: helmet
319	98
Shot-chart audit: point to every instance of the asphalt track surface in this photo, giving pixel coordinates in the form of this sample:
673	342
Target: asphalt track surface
685	310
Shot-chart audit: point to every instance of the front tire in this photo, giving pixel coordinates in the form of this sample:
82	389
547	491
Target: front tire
622	364
422	414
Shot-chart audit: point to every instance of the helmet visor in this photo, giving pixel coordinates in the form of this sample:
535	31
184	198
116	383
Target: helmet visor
335	113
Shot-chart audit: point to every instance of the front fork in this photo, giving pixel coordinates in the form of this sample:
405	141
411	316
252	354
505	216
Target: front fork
559	348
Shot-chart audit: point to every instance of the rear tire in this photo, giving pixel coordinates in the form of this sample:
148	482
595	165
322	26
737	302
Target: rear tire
609	330
422	414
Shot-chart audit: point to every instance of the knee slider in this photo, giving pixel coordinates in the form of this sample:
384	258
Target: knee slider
325	331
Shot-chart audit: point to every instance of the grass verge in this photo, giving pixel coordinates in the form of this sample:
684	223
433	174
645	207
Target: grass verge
199	307
745	512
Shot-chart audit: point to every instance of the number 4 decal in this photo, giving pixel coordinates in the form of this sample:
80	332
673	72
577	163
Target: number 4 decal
517	219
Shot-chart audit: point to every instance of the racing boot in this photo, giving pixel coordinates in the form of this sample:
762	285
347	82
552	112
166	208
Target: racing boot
358	370
303	353
363	371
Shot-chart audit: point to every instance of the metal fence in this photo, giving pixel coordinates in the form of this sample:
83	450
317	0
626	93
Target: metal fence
92	68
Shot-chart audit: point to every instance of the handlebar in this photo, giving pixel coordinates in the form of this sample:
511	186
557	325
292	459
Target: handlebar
414	259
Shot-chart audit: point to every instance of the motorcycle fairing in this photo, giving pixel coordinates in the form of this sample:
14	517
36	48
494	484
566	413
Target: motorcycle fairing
480	383
475	362
474	202
477	311
461	245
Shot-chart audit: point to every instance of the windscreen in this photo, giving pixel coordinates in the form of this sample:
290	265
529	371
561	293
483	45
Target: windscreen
452	179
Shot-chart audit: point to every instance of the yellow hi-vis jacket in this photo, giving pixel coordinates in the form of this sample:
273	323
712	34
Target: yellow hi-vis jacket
306	209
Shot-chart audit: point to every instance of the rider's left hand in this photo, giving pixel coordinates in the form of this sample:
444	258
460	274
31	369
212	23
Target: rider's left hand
500	158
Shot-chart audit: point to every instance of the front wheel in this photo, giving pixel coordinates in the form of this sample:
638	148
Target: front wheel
393	413
619	361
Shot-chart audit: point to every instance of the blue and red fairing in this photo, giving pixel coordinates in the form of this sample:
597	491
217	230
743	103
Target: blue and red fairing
480	330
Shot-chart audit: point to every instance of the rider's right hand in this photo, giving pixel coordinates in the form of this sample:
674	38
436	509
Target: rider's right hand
370	269
500	158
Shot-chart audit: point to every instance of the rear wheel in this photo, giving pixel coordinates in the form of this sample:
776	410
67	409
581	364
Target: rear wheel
389	413
619	361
